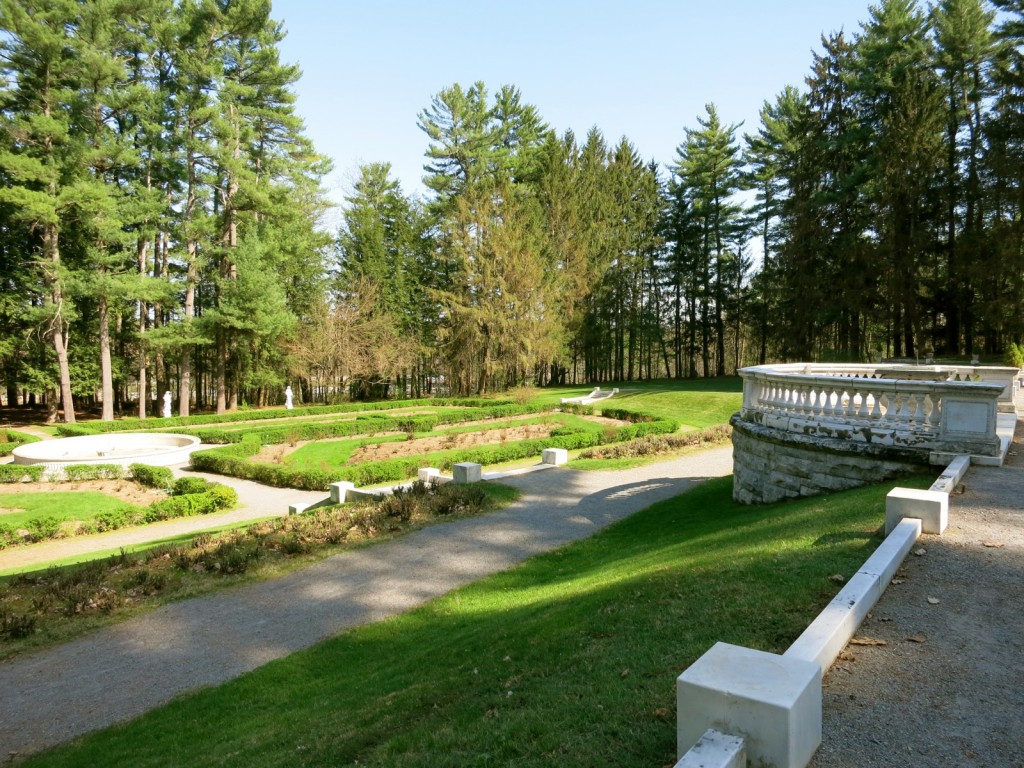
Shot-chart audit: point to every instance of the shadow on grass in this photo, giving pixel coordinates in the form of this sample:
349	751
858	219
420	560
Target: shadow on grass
570	657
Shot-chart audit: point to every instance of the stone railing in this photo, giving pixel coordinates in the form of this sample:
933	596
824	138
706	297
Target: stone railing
935	408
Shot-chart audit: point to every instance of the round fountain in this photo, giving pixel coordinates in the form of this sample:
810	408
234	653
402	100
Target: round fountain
122	448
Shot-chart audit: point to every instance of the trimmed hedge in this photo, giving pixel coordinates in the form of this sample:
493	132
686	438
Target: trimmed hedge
75	473
325	430
150	476
9	440
136	424
233	460
17	473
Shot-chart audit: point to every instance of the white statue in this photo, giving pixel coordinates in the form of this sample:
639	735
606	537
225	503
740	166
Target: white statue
167	404
288	397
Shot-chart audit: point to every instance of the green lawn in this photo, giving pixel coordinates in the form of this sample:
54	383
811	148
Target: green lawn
570	658
694	403
63	505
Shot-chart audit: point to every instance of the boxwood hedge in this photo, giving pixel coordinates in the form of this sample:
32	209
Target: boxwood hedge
234	460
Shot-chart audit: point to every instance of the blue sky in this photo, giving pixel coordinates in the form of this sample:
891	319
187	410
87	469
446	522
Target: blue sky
643	69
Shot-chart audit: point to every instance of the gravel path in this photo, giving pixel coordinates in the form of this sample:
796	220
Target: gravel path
954	694
120	672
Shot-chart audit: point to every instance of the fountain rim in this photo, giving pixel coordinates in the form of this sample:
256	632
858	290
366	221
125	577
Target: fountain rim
163	449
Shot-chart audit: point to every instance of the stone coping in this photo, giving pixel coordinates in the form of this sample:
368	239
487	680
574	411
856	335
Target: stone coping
755	716
123	448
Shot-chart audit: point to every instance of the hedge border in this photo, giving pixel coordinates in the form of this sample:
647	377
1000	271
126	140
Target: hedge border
136	424
15	439
233	460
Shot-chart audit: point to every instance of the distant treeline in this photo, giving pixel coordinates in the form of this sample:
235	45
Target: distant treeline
158	209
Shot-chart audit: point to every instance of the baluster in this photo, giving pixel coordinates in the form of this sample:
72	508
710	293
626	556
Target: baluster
801	403
829	408
862	411
904	415
919	408
876	408
936	413
850	404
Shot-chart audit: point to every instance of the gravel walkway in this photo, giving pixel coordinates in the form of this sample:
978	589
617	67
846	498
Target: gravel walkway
120	672
947	688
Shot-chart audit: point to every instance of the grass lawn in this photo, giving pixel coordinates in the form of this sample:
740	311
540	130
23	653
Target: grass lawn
64	505
570	658
694	403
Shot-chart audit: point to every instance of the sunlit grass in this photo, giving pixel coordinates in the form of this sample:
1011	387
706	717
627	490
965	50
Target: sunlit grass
60	505
570	658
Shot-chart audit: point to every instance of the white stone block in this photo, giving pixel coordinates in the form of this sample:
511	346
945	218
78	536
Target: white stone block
952	475
298	509
715	750
772	701
555	456
467	472
930	507
428	475
342	491
829	633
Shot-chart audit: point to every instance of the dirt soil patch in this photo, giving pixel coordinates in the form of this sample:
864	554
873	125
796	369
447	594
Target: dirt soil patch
125	490
449	442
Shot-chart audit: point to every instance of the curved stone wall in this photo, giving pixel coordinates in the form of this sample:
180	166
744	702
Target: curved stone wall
772	464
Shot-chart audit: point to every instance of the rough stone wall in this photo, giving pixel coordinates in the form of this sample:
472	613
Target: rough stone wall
771	464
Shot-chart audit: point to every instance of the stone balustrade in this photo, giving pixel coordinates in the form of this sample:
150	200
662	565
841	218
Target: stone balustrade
942	409
807	429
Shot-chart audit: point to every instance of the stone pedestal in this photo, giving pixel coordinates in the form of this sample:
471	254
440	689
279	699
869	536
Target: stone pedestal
341	490
428	475
467	472
930	507
773	702
297	509
555	456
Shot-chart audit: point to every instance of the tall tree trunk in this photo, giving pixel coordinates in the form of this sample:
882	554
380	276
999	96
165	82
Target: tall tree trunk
106	375
51	253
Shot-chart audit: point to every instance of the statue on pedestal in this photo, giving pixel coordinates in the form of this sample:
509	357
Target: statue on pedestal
167	404
288	397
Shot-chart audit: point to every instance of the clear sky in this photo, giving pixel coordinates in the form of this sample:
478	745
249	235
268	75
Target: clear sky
639	68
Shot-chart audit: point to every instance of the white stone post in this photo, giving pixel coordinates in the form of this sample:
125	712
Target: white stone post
428	475
340	490
554	456
773	701
467	472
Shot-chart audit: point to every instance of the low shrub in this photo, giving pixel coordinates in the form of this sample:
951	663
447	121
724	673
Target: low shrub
186	485
150	476
651	445
1014	355
21	473
9	440
42	528
14	626
81	472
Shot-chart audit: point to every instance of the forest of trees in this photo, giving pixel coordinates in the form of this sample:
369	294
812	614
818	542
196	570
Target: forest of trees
159	209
